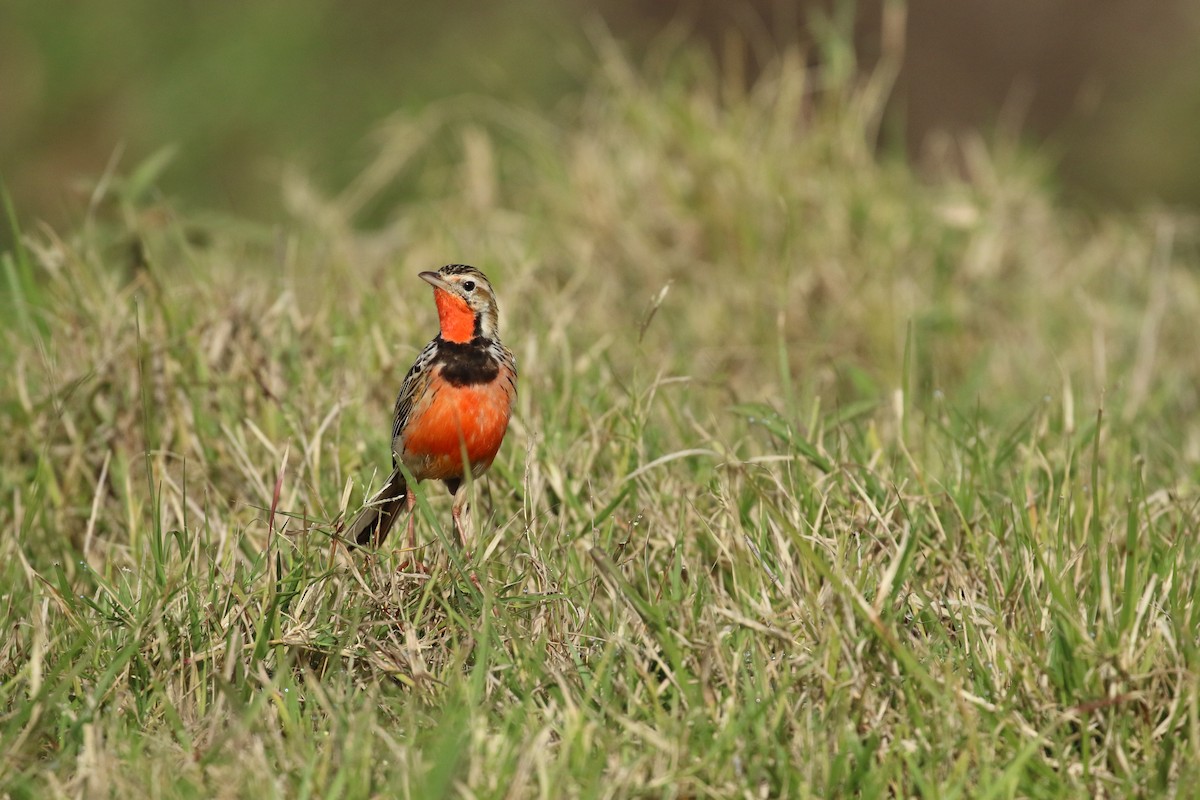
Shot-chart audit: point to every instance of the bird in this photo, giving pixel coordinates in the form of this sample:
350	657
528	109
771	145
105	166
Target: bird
453	408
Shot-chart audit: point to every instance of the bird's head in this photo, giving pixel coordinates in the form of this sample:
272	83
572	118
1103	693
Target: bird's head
465	301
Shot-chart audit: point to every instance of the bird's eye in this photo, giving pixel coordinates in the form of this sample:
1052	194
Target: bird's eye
468	285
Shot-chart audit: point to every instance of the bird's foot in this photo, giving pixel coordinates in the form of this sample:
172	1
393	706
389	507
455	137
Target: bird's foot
413	564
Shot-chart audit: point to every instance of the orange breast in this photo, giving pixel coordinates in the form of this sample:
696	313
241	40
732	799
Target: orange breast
453	419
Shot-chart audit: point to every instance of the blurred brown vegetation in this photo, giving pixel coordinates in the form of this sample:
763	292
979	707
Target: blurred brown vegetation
1109	90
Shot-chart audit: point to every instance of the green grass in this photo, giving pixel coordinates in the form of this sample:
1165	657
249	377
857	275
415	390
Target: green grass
826	478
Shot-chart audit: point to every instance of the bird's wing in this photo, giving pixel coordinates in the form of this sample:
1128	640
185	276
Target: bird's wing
416	382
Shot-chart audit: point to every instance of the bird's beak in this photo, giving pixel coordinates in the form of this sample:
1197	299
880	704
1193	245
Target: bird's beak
435	280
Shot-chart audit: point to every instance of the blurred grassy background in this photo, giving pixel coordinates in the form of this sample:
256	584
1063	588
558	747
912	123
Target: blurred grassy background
242	90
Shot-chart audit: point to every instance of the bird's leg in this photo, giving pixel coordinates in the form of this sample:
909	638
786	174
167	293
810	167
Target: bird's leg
410	505
461	507
460	526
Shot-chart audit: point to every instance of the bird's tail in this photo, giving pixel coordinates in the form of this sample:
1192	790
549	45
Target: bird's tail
372	524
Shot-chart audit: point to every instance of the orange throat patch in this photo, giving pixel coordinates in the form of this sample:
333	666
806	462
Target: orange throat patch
456	318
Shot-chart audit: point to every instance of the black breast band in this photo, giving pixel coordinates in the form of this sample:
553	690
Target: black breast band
467	363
